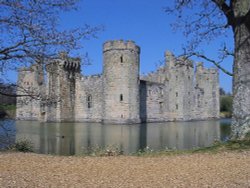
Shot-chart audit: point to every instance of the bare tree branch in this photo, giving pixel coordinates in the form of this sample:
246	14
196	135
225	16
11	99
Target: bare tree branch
216	63
29	30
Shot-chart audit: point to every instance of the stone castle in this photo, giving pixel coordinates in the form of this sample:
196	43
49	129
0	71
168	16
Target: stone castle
177	91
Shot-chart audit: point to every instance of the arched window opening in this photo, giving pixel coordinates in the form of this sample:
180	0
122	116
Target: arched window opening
89	101
121	97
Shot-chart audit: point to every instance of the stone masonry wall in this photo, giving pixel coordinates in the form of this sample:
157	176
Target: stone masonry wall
61	89
159	76
179	88
206	93
121	82
30	84
89	99
152	101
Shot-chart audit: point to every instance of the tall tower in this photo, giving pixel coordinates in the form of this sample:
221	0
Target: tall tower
121	82
30	88
61	78
179	88
207	92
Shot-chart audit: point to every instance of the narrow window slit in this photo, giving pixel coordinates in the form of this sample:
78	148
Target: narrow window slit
89	101
121	59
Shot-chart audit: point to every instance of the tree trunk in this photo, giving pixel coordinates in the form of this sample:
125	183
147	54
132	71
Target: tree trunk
241	79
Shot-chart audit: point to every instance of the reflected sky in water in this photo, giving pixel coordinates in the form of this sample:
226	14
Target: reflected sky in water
77	138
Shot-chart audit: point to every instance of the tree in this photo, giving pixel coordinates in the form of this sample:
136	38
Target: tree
30	33
211	19
6	100
222	91
226	105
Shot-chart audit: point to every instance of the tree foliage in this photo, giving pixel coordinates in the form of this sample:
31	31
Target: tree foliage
226	103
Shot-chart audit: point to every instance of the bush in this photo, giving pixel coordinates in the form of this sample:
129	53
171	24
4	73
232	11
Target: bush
23	145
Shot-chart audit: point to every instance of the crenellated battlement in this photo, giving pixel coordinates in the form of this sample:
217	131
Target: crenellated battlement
200	68
91	77
68	63
72	64
120	45
173	61
169	55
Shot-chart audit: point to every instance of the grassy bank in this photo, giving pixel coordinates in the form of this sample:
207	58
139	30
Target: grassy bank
217	147
10	110
231	145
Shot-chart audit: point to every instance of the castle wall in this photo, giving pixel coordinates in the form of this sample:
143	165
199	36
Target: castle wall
179	88
52	112
159	76
89	99
175	92
121	82
61	89
30	84
207	93
152	101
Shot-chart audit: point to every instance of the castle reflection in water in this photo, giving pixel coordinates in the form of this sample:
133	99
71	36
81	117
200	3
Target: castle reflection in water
77	138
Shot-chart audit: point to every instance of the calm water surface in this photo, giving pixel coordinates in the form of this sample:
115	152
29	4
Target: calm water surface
79	138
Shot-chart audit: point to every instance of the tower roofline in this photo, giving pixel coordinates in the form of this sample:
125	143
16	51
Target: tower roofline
120	45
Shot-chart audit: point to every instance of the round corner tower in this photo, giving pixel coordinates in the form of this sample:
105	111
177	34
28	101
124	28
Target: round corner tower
121	82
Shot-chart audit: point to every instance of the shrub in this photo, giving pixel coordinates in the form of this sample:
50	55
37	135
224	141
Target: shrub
23	145
226	104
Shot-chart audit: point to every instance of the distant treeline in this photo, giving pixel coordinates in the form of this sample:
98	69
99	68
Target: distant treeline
226	104
7	101
7	94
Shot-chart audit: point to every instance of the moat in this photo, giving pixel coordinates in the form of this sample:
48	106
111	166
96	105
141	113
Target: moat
79	138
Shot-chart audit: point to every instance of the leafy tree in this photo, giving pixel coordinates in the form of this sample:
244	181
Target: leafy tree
211	19
7	100
30	33
226	104
222	91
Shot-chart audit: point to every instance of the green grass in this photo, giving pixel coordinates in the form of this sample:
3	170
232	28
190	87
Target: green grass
232	145
7	107
21	145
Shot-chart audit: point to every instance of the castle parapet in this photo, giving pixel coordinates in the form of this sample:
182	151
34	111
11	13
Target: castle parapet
72	64
68	63
121	45
169	55
173	61
200	68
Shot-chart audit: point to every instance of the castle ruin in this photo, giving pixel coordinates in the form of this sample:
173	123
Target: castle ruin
177	91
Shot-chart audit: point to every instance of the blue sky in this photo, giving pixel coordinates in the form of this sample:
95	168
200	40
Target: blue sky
142	21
